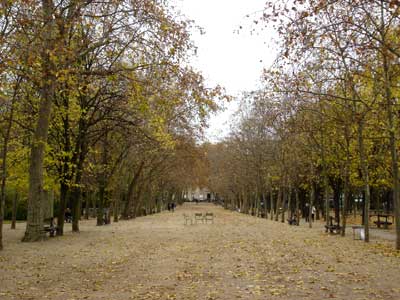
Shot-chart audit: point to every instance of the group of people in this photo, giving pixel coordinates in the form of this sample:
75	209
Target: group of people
171	206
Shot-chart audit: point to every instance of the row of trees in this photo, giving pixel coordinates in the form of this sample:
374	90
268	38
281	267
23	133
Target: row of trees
326	124
97	100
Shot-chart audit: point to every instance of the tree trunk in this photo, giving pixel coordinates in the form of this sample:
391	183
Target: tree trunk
284	198
64	191
100	205
325	180
102	183
345	203
117	197
265	206
312	196
365	177
297	206
131	189
346	188
14	211
278	204
3	187
81	149
271	200
393	146
76	208
7	138
2	203
337	191
289	206
34	225
88	198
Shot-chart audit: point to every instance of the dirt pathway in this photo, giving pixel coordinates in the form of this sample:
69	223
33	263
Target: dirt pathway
237	257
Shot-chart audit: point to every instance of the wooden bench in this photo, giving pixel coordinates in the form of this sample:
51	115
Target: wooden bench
187	219
332	228
51	228
385	224
68	218
198	217
209	217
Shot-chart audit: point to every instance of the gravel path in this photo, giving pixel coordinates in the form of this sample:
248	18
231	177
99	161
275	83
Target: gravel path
237	257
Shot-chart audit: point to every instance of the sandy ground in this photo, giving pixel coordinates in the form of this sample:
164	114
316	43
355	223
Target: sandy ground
237	257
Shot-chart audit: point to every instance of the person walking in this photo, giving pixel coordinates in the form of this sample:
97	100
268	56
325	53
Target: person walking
313	212
307	212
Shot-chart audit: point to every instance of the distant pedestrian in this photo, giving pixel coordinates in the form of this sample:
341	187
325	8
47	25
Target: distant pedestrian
169	206
313	212
307	212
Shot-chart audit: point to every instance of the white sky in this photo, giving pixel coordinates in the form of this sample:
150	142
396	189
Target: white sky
235	61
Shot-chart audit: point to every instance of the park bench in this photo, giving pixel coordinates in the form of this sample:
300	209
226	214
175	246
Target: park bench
198	217
187	218
292	221
332	228
209	217
382	219
385	224
51	228
68	217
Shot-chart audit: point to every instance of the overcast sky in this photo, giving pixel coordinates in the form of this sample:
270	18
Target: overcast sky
232	60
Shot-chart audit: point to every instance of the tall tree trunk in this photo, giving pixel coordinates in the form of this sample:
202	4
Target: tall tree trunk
337	192
14	211
65	176
265	205
346	193
64	191
325	179
365	176
289	207
117	197
102	183
312	196
76	207
100	204
278	204
346	188
297	206
131	191
392	141
271	199
88	198
4	152
81	151
3	181
284	199
34	225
